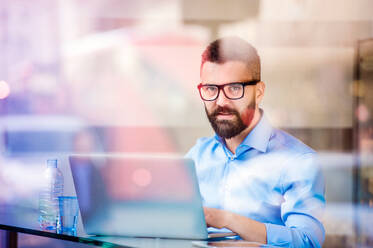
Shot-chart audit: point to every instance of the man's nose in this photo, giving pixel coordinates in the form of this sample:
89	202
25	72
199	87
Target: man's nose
222	99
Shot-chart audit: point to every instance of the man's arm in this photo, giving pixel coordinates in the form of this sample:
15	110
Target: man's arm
255	231
303	193
246	228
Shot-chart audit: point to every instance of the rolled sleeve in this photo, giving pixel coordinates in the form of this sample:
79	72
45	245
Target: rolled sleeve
278	235
294	235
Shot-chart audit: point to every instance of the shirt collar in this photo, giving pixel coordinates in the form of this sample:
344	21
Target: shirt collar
258	138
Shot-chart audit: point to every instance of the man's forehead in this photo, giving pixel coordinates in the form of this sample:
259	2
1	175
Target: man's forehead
230	71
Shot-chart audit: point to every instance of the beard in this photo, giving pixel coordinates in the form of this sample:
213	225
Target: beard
230	128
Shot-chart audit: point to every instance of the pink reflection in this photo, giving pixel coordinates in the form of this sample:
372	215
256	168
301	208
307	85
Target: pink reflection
154	49
145	179
4	90
84	142
362	113
142	177
140	139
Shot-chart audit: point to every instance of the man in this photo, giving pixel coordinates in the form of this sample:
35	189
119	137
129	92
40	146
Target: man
256	181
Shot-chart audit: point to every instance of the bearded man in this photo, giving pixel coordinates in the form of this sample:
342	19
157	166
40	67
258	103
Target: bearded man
255	180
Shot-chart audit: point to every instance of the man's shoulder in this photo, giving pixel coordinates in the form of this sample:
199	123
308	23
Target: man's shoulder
205	142
298	159
281	141
202	144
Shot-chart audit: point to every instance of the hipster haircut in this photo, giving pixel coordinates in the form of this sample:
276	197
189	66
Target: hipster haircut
233	49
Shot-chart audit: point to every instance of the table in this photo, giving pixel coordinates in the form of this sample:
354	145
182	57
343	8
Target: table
16	219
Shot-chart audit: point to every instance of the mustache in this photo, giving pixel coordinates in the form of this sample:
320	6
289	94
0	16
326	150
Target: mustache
223	110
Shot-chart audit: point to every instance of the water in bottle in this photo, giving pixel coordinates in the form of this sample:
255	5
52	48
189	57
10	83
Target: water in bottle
48	198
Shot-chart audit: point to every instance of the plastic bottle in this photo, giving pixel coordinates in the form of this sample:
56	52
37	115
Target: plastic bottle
48	198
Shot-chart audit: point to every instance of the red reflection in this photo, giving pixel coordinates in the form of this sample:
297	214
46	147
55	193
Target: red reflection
247	116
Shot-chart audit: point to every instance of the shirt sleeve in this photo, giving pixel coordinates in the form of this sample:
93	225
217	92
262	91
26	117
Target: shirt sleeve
303	191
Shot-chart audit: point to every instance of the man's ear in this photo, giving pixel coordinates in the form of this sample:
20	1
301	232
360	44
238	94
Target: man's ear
260	89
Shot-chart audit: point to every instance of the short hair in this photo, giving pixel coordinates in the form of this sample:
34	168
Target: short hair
233	49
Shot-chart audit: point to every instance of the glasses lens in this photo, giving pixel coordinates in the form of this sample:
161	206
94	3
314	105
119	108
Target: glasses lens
209	92
233	90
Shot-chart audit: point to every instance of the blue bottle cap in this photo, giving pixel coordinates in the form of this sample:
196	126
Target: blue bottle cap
52	163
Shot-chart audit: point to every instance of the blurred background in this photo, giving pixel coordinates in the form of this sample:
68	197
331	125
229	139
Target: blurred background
120	76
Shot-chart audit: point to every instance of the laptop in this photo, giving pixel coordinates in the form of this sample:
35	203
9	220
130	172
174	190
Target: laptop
140	196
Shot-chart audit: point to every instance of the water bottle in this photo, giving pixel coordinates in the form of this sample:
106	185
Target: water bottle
48	198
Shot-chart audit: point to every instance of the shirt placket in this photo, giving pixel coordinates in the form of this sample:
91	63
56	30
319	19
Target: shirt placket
225	182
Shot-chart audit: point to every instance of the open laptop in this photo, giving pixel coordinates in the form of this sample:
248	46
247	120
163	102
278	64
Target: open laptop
139	196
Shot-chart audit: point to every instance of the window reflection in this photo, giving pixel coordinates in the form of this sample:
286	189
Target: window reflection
127	70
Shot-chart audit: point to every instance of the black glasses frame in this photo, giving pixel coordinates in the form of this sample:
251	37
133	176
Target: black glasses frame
221	87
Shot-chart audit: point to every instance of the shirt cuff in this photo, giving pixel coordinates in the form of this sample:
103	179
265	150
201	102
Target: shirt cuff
278	235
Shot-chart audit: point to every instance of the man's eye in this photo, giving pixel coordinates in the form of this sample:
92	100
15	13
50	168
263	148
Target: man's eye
234	88
210	88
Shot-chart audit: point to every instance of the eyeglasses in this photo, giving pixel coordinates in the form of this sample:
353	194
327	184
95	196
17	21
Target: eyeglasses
232	91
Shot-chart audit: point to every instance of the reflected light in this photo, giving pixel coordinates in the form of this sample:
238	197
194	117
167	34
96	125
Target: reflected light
4	90
362	113
142	177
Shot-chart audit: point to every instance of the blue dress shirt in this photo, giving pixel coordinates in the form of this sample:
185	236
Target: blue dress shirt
272	178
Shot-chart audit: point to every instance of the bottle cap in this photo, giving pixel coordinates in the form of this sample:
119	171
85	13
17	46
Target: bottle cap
52	163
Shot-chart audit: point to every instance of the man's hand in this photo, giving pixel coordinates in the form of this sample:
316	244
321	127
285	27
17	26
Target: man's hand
245	227
215	217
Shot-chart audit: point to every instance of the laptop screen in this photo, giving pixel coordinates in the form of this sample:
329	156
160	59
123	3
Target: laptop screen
138	196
